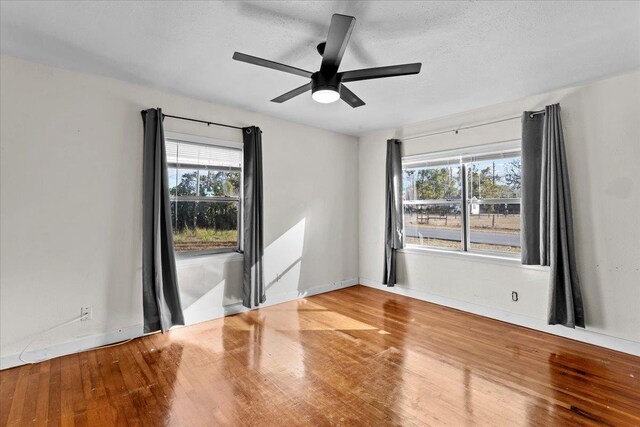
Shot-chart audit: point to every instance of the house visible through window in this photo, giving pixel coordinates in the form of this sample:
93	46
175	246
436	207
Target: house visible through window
465	201
204	187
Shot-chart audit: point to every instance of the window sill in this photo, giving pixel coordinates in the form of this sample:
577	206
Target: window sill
472	256
206	257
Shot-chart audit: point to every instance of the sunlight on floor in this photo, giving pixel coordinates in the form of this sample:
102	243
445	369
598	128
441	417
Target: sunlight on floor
317	318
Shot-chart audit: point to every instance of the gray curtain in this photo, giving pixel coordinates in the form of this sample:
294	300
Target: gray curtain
394	235
253	280
530	181
547	218
160	296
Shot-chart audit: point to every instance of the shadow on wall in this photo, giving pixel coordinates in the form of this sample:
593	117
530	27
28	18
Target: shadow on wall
283	261
579	159
209	287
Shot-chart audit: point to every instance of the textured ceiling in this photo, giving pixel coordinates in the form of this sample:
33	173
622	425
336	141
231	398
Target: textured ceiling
473	53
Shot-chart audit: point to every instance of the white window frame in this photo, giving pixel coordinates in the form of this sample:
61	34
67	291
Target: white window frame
464	155
195	139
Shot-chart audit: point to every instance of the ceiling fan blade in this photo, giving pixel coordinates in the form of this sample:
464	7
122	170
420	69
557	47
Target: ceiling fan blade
270	64
293	93
381	72
336	44
350	98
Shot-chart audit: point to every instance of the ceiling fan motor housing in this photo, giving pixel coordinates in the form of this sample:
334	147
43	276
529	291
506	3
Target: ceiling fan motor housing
321	81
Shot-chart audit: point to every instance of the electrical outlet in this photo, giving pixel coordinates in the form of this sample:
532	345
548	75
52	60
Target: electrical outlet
514	296
86	313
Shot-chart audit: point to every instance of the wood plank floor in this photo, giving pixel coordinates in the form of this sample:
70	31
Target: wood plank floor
357	356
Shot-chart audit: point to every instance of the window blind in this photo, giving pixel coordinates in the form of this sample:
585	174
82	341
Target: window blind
203	155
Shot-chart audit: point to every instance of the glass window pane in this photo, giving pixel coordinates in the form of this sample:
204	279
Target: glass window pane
197	170
437	226
494	227
203	226
182	182
441	182
173	179
219	183
494	179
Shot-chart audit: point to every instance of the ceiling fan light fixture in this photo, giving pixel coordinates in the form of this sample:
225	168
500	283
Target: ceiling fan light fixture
325	89
325	96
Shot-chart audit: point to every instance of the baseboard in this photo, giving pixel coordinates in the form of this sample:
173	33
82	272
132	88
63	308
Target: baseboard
272	299
586	336
87	343
73	346
290	296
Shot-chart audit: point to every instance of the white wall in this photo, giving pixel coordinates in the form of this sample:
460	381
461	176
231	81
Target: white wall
71	143
602	131
71	208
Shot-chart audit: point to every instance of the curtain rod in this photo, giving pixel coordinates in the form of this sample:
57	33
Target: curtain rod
201	121
533	113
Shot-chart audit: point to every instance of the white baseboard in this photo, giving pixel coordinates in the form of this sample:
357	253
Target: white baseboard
272	299
71	347
590	337
290	296
135	331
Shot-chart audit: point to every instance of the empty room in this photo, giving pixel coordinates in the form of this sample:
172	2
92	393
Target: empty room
320	213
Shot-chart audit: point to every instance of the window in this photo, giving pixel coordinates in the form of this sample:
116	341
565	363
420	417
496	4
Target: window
205	181
464	200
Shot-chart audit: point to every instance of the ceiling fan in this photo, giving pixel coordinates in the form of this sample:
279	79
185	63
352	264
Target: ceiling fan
327	85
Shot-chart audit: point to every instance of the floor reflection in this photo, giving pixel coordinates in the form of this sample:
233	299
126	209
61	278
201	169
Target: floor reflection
396	319
351	357
573	375
156	366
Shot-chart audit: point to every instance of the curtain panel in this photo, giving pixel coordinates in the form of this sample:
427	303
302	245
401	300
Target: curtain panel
394	234
547	217
253	291
161	297
530	190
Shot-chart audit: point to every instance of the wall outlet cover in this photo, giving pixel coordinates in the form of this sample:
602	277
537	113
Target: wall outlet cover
86	313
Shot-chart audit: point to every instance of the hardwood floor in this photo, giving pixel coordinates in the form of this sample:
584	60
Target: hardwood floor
357	356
